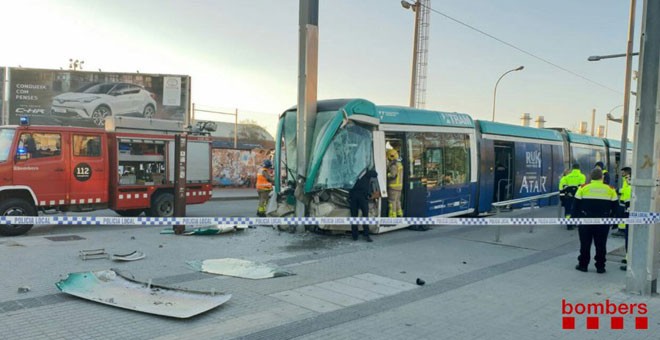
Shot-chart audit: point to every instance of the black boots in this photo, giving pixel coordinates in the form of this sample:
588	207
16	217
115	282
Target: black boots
366	234
354	233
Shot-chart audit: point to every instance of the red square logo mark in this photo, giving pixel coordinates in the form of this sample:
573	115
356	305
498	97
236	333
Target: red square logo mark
568	322
616	322
592	322
641	322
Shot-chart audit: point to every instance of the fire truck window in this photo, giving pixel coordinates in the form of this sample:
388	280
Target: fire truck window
40	145
86	146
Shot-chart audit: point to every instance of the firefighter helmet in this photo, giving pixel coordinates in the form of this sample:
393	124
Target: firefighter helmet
392	154
267	164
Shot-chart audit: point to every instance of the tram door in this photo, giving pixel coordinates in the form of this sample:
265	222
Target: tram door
415	181
504	181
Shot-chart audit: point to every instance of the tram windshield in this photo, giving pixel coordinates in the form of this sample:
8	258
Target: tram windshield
348	154
341	150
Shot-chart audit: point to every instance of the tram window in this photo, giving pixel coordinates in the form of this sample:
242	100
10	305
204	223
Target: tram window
443	159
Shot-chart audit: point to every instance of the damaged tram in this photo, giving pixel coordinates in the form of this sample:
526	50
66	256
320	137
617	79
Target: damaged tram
452	165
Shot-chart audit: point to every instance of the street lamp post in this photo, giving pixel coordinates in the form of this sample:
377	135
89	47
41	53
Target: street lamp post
415	8
497	83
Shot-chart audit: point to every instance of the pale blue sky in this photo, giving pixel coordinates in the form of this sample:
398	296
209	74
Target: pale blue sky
243	54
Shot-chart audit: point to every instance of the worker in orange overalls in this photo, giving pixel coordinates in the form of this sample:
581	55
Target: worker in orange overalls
264	186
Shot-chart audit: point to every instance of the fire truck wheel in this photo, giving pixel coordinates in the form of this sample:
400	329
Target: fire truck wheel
130	212
162	206
99	114
16	207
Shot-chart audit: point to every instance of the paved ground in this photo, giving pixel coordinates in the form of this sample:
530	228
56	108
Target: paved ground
475	288
229	194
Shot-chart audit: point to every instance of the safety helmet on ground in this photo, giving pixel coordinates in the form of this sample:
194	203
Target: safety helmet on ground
267	164
392	154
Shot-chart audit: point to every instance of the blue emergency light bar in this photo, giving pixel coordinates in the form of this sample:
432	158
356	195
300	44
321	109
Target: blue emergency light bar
24	121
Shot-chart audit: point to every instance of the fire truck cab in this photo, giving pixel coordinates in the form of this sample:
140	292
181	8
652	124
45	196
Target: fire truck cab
128	168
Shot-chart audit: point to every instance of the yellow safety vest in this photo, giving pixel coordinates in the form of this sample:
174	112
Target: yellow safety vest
574	178
262	181
626	192
396	183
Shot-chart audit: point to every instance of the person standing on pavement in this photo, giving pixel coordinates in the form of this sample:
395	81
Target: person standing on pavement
624	209
568	186
264	186
394	183
594	200
358	198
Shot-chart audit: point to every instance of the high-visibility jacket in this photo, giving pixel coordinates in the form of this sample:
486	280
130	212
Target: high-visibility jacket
395	176
595	199
626	193
575	178
263	182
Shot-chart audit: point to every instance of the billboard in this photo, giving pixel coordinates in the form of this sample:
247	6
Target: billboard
81	98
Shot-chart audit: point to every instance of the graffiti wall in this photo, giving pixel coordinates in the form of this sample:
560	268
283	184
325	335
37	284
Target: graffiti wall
237	168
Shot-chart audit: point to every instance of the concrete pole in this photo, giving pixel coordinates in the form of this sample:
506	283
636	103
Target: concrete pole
642	275
626	87
307	88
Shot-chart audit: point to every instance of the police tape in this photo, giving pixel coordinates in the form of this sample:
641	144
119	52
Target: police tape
639	218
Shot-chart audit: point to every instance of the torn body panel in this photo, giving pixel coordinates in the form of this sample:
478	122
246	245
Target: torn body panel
112	288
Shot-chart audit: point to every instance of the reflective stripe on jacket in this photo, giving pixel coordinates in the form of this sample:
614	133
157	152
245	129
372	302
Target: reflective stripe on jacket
395	176
262	181
595	199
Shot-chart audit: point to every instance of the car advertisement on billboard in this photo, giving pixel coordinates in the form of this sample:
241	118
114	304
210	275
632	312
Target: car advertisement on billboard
81	98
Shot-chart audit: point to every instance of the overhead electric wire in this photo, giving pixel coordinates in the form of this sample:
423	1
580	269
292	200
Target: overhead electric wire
523	51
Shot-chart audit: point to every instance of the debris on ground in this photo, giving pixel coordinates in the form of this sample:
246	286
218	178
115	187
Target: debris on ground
420	282
91	254
24	289
210	230
136	255
117	289
239	268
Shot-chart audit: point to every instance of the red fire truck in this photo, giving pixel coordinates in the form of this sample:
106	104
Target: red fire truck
128	168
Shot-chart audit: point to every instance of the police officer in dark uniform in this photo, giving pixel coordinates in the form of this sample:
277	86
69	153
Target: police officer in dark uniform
595	199
359	197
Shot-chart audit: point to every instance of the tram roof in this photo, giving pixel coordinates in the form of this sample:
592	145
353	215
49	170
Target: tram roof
410	116
613	143
350	105
584	139
495	128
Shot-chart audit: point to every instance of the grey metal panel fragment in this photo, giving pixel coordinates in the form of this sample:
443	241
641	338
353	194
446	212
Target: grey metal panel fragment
111	288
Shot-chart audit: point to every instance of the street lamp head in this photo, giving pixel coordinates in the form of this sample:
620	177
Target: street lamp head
519	68
405	4
594	58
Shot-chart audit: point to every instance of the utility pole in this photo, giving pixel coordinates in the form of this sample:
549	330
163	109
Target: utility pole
308	46
643	239
626	87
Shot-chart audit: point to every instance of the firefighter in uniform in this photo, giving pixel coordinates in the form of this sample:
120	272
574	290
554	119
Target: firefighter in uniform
624	208
568	186
264	186
595	199
394	183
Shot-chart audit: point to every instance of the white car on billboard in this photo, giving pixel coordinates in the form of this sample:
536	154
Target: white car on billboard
97	101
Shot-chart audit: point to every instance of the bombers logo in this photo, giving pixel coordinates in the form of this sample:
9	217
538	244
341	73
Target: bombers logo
615	311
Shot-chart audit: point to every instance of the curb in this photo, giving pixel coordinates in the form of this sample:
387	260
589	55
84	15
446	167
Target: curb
238	198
